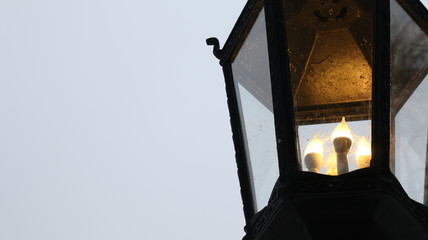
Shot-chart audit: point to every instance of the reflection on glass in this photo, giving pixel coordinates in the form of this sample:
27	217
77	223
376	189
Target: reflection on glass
409	56
330	45
411	126
253	89
409	108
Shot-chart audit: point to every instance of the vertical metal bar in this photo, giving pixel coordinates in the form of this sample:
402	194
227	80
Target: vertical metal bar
426	176
392	146
281	88
381	85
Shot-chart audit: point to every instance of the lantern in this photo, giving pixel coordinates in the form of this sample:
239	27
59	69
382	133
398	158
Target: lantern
328	105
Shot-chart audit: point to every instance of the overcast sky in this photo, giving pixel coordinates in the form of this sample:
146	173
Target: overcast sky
113	121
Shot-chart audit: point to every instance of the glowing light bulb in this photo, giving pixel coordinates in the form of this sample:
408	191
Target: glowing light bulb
364	153
315	146
342	130
342	143
313	155
331	165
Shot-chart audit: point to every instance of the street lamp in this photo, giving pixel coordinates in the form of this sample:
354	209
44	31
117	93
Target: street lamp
328	102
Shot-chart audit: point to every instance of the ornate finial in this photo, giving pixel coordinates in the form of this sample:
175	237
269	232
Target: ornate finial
216	49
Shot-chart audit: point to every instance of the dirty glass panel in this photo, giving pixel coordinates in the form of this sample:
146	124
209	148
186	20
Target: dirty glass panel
330	46
409	101
253	89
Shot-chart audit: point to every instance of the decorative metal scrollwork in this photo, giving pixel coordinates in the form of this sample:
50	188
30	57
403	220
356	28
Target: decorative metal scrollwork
216	47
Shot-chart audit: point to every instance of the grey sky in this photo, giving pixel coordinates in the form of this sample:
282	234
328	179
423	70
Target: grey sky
114	122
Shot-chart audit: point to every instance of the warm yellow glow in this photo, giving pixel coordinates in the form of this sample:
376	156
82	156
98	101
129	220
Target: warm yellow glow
331	172
331	165
364	148
363	154
315	146
342	130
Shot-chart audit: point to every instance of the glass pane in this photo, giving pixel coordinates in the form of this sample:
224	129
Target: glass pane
330	53
409	98
253	89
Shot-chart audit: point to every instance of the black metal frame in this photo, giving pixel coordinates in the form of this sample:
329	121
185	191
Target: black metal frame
285	127
281	90
238	34
417	11
226	56
381	86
